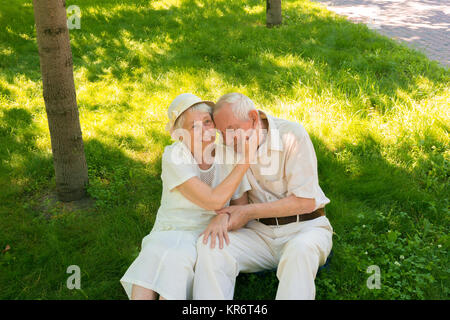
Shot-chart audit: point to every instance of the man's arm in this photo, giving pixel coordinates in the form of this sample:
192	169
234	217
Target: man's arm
291	205
302	185
288	206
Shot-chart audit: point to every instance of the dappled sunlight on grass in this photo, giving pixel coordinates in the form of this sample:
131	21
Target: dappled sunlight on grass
254	9
166	5
377	113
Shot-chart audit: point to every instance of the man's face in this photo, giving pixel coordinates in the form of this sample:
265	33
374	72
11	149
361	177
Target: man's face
232	129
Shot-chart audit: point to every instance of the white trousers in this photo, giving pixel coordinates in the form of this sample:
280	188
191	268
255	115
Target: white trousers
297	249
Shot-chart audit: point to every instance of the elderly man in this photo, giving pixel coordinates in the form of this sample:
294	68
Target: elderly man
283	225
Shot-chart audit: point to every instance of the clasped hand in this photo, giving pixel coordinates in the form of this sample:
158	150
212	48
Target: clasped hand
227	219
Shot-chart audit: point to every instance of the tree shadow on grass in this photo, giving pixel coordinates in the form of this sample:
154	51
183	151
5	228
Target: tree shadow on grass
198	40
23	166
132	40
330	53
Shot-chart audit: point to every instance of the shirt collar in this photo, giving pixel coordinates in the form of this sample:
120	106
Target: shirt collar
273	133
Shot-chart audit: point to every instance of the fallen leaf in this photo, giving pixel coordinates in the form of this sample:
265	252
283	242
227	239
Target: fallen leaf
6	248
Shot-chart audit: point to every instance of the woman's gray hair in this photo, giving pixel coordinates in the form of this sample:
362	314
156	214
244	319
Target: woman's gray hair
241	105
198	107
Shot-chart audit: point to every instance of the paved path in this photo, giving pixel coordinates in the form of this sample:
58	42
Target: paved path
422	24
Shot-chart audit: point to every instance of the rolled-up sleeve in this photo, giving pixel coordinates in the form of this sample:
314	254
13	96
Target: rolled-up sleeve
301	168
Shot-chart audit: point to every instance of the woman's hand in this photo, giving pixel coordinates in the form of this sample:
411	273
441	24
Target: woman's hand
217	228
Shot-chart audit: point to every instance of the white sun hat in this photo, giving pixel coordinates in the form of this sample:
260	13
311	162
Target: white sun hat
180	104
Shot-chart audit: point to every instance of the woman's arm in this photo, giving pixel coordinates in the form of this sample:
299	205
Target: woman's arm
209	198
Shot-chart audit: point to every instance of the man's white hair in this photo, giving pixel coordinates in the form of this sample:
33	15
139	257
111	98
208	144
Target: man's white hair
198	107
241	105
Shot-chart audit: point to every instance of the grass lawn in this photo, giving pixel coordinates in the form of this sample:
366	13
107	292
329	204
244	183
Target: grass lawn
377	112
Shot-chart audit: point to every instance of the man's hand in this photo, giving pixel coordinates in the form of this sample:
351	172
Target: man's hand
239	216
217	227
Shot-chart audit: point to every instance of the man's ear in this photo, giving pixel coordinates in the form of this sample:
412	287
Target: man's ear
253	114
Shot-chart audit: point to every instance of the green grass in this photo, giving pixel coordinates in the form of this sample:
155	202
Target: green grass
377	113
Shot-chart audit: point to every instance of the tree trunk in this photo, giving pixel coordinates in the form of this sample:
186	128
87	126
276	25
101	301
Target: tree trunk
273	13
60	99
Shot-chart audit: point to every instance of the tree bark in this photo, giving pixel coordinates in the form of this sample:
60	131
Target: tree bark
273	13
55	56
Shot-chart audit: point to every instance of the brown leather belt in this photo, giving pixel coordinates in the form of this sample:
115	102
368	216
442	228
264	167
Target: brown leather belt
301	217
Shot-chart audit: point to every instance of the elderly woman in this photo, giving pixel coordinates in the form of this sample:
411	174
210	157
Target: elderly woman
196	181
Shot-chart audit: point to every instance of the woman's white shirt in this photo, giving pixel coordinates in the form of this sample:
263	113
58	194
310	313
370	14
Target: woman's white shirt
178	165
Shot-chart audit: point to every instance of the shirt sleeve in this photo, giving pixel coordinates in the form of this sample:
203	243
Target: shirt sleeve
244	186
301	169
177	167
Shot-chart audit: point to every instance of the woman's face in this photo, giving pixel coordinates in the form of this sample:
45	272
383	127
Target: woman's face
201	129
